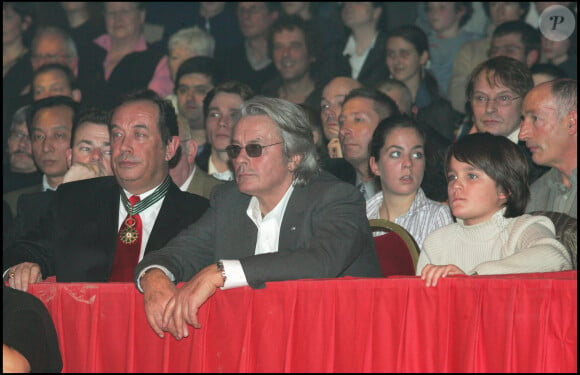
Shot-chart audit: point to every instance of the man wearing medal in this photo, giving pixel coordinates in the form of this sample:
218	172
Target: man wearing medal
97	230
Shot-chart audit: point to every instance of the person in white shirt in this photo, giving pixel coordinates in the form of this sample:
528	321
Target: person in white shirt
398	159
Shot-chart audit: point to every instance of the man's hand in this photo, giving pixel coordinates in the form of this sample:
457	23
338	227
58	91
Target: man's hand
158	290
20	275
432	273
334	150
184	307
83	171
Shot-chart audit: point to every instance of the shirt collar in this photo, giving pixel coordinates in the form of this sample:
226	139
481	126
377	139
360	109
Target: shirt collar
350	47
105	42
514	135
255	213
45	185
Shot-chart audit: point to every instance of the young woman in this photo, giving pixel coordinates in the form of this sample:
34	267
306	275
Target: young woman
407	56
220	106
488	191
398	158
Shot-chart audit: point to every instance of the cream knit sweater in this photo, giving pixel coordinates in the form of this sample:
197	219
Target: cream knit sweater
498	246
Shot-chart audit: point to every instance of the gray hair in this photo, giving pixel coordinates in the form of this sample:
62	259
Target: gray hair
20	116
69	43
565	94
294	129
195	39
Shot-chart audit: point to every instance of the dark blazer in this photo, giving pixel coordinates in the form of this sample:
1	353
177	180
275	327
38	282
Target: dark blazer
374	69
31	207
76	239
340	168
324	234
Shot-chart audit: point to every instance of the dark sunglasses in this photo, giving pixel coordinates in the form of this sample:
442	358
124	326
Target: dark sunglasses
253	150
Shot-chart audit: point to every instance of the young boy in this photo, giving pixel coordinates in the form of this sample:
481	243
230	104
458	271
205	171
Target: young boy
488	191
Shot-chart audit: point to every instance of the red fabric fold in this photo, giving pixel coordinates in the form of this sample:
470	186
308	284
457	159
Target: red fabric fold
465	324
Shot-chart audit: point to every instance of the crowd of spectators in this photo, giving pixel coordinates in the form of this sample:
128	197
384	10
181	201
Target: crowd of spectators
130	110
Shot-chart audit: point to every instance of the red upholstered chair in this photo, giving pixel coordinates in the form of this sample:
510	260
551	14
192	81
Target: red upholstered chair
397	250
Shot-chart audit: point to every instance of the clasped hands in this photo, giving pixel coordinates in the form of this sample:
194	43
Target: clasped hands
169	309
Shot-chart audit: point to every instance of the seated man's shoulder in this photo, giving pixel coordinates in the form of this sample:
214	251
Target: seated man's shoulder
88	185
325	184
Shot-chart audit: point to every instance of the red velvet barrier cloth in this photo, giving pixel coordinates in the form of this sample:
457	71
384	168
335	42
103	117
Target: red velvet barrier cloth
511	323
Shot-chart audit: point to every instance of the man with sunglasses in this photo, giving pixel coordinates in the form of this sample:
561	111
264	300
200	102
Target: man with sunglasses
496	90
281	219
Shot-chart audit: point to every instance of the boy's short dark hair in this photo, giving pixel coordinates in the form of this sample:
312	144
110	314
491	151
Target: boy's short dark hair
502	160
530	37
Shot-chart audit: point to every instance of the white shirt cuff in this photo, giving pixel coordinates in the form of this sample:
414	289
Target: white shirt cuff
235	276
165	271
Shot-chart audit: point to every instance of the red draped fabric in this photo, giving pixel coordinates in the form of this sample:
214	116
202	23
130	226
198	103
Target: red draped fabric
511	323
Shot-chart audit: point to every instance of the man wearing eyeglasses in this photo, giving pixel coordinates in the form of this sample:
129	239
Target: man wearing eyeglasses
518	40
282	219
496	90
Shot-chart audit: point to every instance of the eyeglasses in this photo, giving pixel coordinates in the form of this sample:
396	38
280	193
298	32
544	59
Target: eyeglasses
253	150
502	100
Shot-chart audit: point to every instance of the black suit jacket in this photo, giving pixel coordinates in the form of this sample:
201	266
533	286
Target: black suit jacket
31	207
76	239
374	69
324	233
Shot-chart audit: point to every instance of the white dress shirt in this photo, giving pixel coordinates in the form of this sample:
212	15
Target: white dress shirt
267	241
148	217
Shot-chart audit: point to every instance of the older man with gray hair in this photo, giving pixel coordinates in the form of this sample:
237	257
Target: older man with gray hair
292	221
550	130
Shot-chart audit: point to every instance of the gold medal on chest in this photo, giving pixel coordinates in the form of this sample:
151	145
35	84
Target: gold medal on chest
129	234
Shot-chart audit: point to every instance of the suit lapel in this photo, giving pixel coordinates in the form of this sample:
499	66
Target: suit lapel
167	218
293	219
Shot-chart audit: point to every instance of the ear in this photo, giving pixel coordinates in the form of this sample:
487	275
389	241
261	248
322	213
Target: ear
423	58
171	148
532	57
68	158
192	147
76	95
142	16
315	136
377	13
26	22
572	122
501	194
414	110
374	166
294	162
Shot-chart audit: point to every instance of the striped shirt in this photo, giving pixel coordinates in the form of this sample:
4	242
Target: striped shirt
424	215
